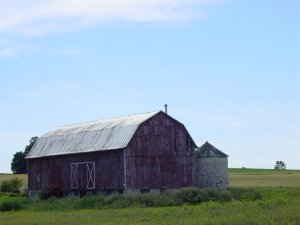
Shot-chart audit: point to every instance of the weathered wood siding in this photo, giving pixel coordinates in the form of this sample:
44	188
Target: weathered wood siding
160	155
55	172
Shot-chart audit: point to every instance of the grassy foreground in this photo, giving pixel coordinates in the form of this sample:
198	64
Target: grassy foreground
273	205
276	201
278	206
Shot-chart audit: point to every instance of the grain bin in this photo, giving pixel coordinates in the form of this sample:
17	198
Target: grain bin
211	167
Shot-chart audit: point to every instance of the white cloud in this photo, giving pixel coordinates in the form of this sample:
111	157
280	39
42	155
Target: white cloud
33	17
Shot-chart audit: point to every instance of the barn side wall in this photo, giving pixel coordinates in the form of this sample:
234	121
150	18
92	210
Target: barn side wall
212	172
50	173
160	156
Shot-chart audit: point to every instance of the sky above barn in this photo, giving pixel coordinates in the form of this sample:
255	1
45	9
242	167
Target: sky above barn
228	69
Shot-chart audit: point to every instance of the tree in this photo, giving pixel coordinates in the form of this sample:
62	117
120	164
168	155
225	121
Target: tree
31	143
280	165
19	164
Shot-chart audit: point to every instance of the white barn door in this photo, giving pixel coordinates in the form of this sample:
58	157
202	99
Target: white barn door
74	176
83	175
90	175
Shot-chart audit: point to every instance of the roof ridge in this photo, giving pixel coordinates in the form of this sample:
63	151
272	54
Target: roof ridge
111	118
114	133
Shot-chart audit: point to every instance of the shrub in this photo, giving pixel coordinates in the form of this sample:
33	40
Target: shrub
5	186
89	202
196	195
188	195
17	195
185	196
246	194
10	205
12	185
16	183
225	196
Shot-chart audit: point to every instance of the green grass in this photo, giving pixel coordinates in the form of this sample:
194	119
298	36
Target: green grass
263	178
261	171
191	196
259	197
278	206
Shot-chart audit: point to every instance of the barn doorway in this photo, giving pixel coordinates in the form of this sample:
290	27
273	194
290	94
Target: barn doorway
83	176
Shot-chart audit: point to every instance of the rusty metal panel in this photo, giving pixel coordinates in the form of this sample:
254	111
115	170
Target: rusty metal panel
99	135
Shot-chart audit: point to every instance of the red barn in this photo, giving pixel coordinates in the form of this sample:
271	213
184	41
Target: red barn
144	152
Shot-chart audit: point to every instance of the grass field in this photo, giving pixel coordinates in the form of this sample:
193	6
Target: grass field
279	204
264	178
238	177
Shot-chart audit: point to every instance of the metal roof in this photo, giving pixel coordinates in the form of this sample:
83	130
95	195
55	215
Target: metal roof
208	150
92	136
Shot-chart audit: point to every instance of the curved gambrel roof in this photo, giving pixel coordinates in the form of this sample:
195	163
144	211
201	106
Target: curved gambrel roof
101	135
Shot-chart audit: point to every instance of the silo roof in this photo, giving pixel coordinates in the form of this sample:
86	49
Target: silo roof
208	150
101	135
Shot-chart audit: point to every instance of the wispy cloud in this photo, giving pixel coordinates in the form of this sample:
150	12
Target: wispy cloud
59	88
10	52
71	52
34	17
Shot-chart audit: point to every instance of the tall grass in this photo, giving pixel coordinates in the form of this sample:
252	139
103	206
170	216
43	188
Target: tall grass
274	206
185	196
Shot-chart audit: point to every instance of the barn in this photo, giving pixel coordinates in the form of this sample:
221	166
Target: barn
138	153
211	167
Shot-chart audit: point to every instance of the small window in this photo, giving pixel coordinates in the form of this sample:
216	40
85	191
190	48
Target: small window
38	178
145	190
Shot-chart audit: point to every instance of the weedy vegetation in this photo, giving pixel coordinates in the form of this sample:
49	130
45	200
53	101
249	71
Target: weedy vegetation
243	203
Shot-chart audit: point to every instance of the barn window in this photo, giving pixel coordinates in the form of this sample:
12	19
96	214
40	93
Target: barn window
145	190
38	181
38	178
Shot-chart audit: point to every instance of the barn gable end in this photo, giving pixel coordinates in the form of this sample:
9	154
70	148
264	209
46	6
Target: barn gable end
160	155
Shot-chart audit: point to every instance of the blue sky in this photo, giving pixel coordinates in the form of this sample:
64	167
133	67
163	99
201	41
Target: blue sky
229	70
